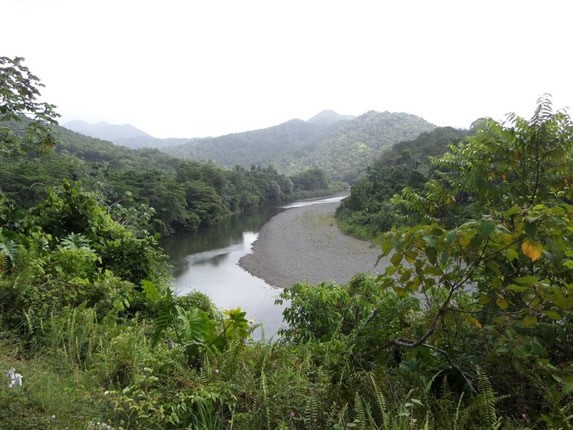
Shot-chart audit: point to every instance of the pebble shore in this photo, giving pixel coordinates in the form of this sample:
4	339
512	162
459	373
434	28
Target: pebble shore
305	245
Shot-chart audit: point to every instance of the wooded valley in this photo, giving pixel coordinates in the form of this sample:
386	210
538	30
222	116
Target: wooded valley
468	328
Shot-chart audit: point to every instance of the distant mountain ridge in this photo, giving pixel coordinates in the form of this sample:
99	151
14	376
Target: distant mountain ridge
105	130
329	117
126	134
342	147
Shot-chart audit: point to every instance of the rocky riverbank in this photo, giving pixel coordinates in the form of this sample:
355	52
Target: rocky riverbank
305	245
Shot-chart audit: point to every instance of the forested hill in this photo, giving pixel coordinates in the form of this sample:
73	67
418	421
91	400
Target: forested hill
182	194
255	147
346	152
104	130
125	135
341	147
368	211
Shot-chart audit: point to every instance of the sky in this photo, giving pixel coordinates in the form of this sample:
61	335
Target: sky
187	68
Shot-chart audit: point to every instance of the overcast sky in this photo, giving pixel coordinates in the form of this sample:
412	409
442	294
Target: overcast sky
199	68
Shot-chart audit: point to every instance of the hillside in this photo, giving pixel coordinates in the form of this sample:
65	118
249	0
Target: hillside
104	130
257	147
346	153
125	135
368	210
342	148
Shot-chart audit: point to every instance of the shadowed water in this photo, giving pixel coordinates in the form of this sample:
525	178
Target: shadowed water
207	261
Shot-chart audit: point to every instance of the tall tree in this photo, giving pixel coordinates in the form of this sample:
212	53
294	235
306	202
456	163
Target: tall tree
19	102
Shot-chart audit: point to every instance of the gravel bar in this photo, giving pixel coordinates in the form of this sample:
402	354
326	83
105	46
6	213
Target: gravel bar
305	245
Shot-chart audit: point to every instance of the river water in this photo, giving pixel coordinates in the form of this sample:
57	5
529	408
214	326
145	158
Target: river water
207	261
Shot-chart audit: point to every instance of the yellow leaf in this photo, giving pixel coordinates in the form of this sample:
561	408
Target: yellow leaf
501	303
529	321
532	249
473	321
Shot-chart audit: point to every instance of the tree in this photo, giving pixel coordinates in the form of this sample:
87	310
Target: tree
496	285
19	93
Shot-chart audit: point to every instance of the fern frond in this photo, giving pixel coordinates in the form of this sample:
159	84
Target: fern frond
360	412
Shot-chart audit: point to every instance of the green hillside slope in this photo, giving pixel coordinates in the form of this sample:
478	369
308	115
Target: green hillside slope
342	149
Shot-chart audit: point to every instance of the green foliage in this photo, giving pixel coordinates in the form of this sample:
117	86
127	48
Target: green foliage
340	149
146	189
19	90
484	288
368	211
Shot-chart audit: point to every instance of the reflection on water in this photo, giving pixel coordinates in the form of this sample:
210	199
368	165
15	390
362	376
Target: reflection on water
207	261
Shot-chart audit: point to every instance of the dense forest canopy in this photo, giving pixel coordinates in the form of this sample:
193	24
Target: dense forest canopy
468	328
368	211
339	147
183	195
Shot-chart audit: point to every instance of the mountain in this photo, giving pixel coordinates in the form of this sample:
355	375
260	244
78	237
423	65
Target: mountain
105	131
343	148
125	135
255	147
151	142
329	117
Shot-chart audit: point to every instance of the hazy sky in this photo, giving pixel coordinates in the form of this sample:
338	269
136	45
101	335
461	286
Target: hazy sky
197	68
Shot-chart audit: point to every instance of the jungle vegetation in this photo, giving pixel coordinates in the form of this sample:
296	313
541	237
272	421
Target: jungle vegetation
468	328
340	146
176	195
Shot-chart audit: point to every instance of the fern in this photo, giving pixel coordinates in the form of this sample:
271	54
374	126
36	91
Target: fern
311	411
380	400
265	393
482	406
360	411
165	319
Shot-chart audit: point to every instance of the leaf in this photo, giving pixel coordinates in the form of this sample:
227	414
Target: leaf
473	321
493	266
554	315
484	299
529	321
464	239
502	303
396	259
530	229
151	292
526	280
450	236
387	246
400	292
532	249
431	253
476	242
517	288
486	228
512	211
511	254
405	276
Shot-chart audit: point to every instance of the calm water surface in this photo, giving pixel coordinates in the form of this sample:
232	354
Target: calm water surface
207	260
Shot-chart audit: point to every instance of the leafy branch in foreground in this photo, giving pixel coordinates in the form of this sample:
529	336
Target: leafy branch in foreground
19	94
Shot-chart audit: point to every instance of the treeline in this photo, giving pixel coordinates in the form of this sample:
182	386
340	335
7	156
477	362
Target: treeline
369	211
178	195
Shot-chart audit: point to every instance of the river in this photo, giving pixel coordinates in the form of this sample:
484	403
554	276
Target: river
206	261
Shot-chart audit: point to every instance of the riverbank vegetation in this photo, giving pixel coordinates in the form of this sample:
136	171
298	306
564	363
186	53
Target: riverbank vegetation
468	328
369	211
175	195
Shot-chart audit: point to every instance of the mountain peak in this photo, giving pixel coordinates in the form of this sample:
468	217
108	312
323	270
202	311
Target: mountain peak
329	117
105	131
